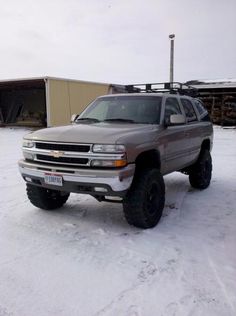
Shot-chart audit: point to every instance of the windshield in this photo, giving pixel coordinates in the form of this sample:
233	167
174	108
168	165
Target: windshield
130	109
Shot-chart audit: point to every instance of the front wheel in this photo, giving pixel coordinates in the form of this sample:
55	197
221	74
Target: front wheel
46	199
200	175
145	200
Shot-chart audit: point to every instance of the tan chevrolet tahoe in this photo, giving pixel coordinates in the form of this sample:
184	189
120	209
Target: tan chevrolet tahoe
118	150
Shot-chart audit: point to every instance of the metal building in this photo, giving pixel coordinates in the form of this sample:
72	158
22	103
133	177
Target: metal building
47	101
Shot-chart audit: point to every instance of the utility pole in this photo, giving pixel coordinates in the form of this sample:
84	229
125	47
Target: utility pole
172	38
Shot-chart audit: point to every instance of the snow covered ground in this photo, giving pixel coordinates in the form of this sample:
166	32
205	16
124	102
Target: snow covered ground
86	260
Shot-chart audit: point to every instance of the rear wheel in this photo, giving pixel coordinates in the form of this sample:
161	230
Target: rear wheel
46	199
200	174
144	202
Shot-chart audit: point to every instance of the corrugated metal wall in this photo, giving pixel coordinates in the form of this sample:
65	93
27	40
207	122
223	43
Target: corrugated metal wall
66	97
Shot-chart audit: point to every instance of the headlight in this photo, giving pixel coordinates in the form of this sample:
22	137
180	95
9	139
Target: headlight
27	143
99	148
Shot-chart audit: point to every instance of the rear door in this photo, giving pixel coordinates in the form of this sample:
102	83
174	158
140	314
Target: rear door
193	132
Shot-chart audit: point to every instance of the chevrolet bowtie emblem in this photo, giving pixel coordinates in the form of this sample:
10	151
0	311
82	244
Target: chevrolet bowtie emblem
56	153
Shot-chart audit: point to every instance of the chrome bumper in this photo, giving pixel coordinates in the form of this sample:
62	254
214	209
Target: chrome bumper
73	179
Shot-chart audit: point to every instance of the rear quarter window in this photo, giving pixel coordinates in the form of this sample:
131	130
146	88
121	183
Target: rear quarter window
199	106
189	110
204	116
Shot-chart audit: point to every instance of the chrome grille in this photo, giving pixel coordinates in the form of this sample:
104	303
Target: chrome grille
63	160
65	155
63	147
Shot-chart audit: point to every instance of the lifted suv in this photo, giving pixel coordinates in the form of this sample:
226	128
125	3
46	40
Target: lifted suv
118	149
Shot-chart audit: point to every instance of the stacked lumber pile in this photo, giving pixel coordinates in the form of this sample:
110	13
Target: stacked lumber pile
222	109
229	111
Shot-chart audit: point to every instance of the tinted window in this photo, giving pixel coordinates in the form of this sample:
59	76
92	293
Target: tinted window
139	109
171	107
206	117
199	106
189	110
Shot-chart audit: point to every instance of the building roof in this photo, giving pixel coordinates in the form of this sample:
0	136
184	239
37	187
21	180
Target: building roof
48	78
213	84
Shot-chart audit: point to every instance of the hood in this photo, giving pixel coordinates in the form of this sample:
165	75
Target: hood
105	133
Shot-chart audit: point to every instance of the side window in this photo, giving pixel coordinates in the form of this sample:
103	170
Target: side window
171	107
199	106
206	117
189	110
202	111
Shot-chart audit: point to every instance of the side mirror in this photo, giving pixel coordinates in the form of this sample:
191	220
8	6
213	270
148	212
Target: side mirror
73	117
177	119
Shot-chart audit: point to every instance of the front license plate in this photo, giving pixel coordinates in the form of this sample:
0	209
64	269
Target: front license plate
53	179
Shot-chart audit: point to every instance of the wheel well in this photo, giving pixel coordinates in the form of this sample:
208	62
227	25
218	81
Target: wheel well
148	159
206	145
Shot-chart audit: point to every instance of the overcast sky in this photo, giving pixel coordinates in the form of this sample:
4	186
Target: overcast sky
117	41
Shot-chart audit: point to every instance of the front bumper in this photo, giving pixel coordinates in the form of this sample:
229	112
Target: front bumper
114	181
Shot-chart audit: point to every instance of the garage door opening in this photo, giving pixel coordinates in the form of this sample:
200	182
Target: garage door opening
23	103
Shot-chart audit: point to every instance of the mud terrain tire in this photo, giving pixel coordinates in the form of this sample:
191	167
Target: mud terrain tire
145	200
200	174
46	199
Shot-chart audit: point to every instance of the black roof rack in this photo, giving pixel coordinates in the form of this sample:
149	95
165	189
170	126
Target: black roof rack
163	87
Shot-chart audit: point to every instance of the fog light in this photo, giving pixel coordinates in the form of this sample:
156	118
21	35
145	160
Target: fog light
100	189
114	198
28	179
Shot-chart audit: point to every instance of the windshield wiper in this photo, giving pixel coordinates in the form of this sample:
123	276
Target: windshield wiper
87	119
119	120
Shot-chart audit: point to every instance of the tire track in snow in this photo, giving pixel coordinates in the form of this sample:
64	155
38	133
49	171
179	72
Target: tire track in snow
148	272
176	190
4	312
221	283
